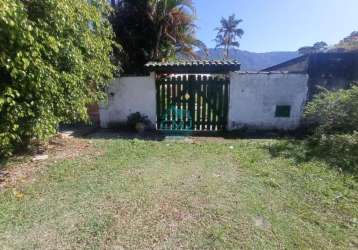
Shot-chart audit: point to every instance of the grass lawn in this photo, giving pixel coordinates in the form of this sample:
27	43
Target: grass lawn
209	194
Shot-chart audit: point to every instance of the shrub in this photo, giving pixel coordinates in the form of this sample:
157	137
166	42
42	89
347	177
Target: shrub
54	61
334	112
340	150
135	118
335	119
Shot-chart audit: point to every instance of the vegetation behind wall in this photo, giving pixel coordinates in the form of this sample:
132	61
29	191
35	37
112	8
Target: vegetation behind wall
154	31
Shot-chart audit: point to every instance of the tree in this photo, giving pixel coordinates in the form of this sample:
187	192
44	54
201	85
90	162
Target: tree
228	34
135	31
350	43
316	48
54	61
154	30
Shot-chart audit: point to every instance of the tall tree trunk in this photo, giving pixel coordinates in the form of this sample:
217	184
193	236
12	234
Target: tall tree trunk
157	45
226	54
228	48
160	31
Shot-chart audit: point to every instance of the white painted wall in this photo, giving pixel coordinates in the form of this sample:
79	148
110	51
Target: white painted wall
252	104
128	95
254	96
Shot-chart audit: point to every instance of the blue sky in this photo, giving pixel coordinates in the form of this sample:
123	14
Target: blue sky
280	25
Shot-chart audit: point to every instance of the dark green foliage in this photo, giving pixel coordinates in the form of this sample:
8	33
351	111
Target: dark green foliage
54	61
334	111
334	116
135	31
154	31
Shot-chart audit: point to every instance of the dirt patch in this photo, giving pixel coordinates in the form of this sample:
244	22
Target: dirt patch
22	169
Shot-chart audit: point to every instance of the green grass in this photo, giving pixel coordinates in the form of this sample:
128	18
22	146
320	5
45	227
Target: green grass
170	195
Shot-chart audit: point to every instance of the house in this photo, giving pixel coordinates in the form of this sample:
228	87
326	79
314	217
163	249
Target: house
328	70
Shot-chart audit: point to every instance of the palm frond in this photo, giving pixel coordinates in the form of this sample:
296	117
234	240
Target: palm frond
228	33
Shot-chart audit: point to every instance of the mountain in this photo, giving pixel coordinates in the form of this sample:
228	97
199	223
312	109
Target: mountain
251	61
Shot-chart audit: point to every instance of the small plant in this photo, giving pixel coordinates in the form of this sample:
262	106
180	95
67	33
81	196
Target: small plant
138	122
340	150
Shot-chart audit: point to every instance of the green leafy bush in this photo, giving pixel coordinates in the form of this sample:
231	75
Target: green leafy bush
54	61
334	111
335	119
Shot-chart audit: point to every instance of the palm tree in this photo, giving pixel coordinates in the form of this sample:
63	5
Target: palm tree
228	34
154	30
175	29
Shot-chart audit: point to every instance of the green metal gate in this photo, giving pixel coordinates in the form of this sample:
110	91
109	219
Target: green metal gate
192	103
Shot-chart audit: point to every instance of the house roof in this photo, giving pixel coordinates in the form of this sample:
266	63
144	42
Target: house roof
195	66
278	67
337	64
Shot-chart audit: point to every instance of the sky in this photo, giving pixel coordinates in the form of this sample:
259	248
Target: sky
279	25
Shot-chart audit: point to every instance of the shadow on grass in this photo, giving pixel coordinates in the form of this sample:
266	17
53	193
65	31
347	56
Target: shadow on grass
3	162
302	151
298	150
20	155
123	131
3	172
109	134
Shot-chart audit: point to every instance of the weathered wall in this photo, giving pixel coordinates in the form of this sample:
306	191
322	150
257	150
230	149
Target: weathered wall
316	83
254	97
332	71
128	95
253	100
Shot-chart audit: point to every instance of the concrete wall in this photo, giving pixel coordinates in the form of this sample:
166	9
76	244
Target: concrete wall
252	104
128	95
254	97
